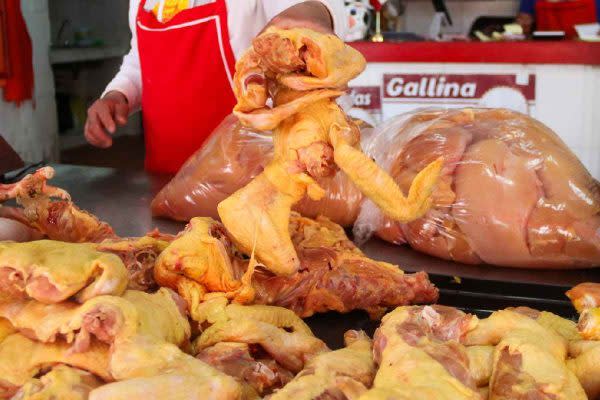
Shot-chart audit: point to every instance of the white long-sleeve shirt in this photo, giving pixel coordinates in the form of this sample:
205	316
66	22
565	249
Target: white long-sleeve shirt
245	20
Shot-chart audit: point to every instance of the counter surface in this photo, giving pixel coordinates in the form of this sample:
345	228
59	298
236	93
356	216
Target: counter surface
123	200
526	52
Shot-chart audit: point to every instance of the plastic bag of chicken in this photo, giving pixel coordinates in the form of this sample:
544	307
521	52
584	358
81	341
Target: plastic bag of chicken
229	160
511	192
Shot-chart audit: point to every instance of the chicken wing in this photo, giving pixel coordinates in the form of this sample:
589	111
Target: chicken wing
345	373
419	355
62	382
21	359
105	318
49	210
50	271
302	71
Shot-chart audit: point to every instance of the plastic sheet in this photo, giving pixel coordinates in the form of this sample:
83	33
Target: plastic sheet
511	192
230	159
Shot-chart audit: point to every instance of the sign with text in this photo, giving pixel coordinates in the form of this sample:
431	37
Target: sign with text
514	91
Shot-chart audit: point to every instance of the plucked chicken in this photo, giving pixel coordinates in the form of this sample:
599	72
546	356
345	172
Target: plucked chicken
419	354
301	71
103	318
506	179
340	374
529	359
334	275
51	271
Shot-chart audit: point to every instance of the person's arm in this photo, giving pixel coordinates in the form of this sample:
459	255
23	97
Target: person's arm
322	15
121	97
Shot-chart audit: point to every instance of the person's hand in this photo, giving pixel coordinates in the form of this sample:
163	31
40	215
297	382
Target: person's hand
309	14
104	116
526	22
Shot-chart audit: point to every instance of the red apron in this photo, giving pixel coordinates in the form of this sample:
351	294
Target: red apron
187	68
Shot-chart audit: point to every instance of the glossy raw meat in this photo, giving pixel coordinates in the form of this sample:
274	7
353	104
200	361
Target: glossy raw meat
230	159
511	193
304	72
336	275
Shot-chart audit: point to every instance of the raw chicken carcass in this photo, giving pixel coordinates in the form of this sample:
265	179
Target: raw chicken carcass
235	344
301	71
61	382
507	179
586	366
50	271
22	359
336	276
529	359
230	159
102	318
340	374
420	356
50	211
148	368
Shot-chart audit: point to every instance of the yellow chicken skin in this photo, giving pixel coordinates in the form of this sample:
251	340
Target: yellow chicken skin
481	359
302	72
105	318
21	359
420	357
261	346
290	349
172	386
6	329
586	366
344	373
144	359
529	359
51	271
62	382
199	261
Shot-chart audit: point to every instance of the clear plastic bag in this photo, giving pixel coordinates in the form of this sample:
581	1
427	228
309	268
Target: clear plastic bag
229	160
511	192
